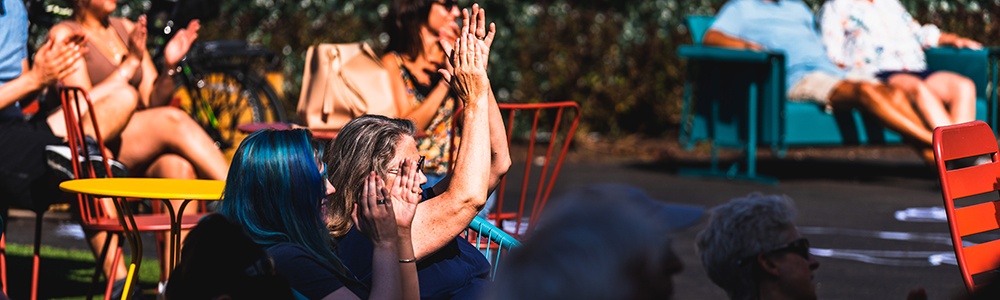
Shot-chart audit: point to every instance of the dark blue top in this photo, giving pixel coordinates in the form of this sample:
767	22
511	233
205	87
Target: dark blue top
456	271
310	276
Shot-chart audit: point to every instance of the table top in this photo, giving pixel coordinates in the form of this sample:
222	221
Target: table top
152	188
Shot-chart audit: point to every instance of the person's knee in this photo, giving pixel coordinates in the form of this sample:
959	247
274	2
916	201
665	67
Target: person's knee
119	95
171	166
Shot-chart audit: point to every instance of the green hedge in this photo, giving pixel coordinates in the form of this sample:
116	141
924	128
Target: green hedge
616	58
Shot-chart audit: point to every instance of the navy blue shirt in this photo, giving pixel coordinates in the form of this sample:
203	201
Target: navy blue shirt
456	271
308	275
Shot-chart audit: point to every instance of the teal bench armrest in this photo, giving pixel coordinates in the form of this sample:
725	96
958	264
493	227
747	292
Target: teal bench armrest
698	52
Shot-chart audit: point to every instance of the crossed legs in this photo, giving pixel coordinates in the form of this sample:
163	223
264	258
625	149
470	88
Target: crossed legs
886	103
943	98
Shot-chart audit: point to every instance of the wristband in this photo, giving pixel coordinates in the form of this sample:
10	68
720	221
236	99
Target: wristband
405	261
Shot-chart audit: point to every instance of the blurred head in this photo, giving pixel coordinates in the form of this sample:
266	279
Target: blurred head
220	262
751	247
275	190
407	20
97	8
593	244
367	143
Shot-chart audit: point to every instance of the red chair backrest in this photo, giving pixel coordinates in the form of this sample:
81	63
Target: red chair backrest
973	215
539	135
75	102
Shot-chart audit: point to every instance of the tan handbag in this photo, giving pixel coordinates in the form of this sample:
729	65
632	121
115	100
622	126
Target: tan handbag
342	82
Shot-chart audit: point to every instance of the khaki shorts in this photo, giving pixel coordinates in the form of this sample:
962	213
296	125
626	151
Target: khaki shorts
817	86
814	87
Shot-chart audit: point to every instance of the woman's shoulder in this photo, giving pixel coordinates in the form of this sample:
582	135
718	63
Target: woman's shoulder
63	29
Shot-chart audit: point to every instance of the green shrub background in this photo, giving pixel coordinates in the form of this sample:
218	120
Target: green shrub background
616	58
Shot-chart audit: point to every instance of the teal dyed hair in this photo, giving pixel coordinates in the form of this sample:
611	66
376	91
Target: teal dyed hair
274	190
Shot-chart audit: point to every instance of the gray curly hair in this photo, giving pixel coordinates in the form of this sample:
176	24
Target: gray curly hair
741	228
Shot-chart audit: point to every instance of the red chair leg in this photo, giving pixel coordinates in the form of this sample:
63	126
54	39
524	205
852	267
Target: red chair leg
3	263
36	258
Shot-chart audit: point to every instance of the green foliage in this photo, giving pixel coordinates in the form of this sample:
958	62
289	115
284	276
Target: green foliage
65	273
616	58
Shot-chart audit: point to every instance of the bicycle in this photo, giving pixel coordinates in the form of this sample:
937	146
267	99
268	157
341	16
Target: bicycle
220	87
220	84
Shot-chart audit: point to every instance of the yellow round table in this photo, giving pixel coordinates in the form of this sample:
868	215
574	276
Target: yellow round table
164	189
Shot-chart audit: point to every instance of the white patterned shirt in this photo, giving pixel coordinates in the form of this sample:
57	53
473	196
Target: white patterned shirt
870	36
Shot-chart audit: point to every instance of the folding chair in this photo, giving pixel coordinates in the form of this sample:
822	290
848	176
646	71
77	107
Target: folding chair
493	241
544	131
970	196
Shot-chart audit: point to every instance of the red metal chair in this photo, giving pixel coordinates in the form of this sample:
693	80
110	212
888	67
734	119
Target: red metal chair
970	194
110	215
539	134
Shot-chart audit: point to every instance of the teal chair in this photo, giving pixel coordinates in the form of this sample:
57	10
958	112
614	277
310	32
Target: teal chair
491	240
735	99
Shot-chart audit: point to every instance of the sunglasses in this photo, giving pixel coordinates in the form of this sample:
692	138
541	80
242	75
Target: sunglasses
449	4
800	247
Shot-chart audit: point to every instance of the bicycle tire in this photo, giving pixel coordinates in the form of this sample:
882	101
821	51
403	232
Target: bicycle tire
224	100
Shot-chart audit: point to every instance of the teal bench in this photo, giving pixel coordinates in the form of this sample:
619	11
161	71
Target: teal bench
735	99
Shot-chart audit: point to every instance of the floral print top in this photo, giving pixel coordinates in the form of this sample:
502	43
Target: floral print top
435	142
871	36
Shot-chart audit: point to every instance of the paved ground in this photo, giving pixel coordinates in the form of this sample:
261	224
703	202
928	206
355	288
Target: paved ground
846	203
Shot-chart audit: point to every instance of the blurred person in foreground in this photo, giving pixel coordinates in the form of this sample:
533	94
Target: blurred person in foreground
276	195
752	249
219	261
449	266
880	39
606	241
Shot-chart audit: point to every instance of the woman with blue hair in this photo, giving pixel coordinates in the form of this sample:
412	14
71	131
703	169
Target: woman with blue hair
276	191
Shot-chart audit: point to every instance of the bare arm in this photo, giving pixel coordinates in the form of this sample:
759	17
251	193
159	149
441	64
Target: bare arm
719	39
440	219
954	40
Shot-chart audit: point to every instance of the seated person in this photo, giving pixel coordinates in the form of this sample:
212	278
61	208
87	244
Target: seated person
788	26
151	138
275	193
606	241
879	39
24	176
413	57
449	267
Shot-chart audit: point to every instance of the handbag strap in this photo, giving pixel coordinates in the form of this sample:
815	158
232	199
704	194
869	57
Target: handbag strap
335	60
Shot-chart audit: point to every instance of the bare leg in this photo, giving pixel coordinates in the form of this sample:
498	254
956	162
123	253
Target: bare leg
113	105
883	102
957	91
172	166
928	103
156	131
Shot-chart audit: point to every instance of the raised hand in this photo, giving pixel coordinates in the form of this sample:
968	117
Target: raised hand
469	62
179	45
137	39
374	212
405	192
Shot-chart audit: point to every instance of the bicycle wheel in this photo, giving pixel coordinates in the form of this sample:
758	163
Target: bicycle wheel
220	102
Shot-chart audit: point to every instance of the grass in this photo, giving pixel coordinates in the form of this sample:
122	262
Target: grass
64	273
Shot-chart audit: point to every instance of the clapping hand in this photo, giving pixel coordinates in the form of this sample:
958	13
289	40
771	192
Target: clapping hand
374	214
137	39
179	45
57	59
